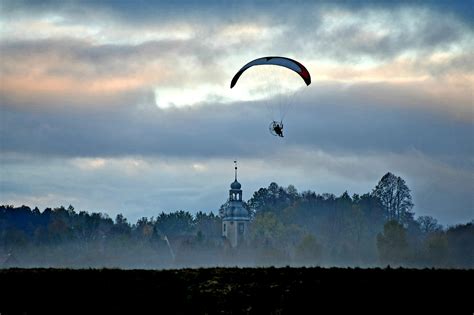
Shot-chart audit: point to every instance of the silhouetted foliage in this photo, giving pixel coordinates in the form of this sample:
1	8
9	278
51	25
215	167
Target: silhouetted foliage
395	197
287	227
392	243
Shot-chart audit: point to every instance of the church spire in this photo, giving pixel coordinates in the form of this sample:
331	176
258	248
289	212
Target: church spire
235	185
235	216
235	164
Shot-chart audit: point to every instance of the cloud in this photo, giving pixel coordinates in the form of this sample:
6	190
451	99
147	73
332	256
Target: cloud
334	117
384	35
65	68
72	59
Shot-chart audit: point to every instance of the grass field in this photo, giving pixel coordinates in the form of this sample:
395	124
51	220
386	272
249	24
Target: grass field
236	290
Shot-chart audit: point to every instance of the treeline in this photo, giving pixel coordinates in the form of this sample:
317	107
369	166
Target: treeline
62	237
374	229
287	228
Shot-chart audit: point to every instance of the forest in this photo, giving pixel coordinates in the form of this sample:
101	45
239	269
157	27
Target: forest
287	228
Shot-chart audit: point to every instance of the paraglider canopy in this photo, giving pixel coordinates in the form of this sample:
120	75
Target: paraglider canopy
272	81
277	61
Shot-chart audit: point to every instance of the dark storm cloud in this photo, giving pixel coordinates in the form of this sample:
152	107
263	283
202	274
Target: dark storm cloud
458	8
138	12
371	31
408	25
352	41
143	9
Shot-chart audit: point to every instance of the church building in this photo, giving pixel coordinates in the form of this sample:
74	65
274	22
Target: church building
236	217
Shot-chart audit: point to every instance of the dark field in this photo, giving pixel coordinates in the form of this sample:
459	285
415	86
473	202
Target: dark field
237	290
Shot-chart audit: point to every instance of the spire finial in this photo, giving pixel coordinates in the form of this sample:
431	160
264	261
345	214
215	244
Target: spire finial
235	164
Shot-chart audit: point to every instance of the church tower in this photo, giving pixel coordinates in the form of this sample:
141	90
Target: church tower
235	217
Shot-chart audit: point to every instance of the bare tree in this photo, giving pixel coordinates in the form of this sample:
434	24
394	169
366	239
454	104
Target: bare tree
429	224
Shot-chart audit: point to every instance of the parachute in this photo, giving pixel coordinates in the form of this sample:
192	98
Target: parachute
277	61
279	87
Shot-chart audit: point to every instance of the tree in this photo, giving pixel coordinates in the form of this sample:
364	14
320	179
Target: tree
267	229
429	224
121	226
208	224
395	197
436	246
308	251
274	198
392	244
144	228
174	223
460	240
292	193
260	201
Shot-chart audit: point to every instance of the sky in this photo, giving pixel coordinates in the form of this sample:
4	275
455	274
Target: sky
125	106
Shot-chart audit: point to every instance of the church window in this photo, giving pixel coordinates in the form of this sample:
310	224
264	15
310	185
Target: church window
241	228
